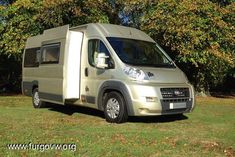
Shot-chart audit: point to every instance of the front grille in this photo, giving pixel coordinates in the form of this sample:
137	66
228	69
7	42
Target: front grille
175	100
174	92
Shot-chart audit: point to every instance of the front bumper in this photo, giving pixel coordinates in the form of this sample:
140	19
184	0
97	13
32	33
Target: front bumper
159	105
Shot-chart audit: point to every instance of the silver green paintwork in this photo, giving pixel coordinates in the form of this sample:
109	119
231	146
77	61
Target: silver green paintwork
51	77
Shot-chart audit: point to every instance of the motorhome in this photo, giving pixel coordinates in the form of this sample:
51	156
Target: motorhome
116	69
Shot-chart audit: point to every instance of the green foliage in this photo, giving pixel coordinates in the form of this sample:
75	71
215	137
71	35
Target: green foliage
199	35
222	2
132	12
21	19
25	18
55	13
17	24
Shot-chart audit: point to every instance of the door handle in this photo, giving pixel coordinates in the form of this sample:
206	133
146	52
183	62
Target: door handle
86	72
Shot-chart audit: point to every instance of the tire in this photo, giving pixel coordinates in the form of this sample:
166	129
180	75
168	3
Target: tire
37	103
115	108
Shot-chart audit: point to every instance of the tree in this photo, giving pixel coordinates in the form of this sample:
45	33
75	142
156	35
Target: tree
197	35
6	2
222	2
25	18
17	23
20	19
55	13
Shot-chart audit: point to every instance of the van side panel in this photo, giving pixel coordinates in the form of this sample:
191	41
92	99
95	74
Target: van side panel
48	75
50	78
28	79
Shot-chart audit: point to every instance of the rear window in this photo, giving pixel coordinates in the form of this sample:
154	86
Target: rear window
51	53
31	58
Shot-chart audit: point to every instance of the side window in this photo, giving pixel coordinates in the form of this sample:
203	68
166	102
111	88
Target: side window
95	47
31	58
50	53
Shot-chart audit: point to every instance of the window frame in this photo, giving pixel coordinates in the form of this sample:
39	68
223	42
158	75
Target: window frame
50	45
88	54
36	64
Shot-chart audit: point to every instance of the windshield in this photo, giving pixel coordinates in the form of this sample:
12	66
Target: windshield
137	52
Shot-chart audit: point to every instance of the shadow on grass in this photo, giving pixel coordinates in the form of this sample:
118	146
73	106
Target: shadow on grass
158	119
71	109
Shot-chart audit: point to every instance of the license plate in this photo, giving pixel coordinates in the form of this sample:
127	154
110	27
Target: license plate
178	105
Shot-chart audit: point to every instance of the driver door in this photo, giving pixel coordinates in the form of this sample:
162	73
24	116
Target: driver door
96	76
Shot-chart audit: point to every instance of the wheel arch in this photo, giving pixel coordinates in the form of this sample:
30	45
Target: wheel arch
117	86
34	85
28	87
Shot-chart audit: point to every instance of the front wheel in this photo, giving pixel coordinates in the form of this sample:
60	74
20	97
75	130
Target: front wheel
115	108
37	103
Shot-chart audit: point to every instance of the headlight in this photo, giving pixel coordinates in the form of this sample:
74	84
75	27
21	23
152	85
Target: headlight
135	74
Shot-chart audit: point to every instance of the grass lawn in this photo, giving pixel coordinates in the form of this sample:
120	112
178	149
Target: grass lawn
208	131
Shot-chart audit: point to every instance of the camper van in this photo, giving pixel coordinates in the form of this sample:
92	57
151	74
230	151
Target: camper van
118	70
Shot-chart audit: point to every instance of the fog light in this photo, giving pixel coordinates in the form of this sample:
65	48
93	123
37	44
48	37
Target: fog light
150	99
143	110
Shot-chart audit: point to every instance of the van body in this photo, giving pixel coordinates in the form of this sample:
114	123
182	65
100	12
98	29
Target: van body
116	69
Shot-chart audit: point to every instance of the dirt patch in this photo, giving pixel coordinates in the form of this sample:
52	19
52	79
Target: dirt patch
229	152
119	138
171	141
208	145
215	146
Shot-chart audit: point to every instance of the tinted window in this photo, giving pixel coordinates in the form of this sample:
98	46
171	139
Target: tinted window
51	53
95	47
137	52
31	58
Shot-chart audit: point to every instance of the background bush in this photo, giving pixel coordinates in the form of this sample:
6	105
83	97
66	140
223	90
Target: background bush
198	35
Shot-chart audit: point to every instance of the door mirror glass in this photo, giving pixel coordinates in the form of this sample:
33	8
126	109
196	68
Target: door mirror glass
101	61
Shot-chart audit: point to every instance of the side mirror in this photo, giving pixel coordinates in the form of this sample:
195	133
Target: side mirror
101	61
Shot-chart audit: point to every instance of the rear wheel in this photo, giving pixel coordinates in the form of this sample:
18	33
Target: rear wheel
115	108
37	103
